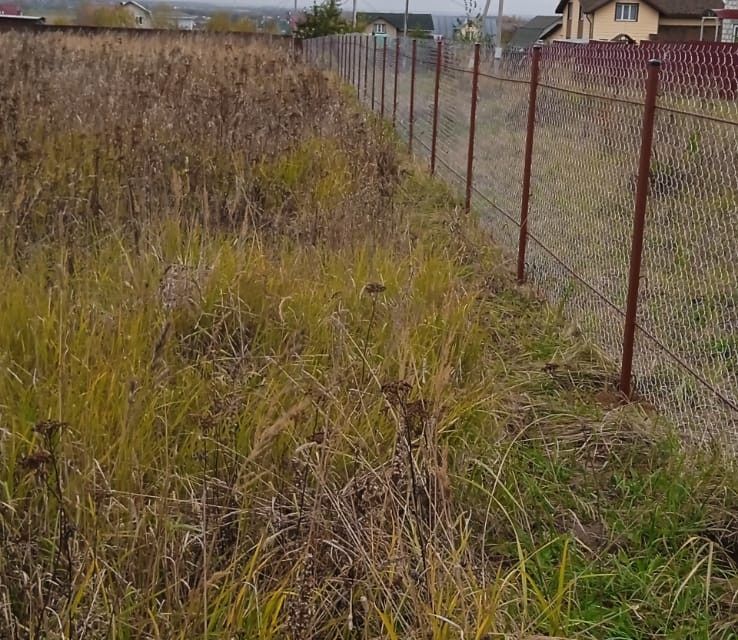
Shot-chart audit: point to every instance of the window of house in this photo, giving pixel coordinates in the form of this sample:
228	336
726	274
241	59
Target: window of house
568	11
380	27
139	20
735	33
626	12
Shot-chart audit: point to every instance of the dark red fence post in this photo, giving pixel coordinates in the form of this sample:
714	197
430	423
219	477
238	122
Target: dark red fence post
472	130
384	74
528	162
411	123
436	90
639	225
366	67
374	69
394	93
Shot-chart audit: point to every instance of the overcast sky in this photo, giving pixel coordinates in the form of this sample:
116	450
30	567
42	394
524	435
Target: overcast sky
512	7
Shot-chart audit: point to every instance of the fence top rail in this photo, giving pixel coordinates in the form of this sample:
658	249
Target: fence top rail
698	79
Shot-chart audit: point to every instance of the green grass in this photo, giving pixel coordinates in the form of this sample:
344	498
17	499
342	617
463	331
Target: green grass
335	418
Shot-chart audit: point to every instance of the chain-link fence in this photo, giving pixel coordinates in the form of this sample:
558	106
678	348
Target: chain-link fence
574	145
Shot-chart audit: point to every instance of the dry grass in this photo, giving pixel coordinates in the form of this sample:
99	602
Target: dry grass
260	379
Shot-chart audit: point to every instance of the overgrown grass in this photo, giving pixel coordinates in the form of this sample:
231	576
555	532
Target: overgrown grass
319	410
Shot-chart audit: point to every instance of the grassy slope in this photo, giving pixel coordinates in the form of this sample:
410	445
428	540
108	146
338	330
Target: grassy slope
364	432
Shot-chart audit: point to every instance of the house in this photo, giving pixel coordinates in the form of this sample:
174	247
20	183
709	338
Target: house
10	10
392	24
635	20
539	29
451	27
728	20
184	22
12	23
141	15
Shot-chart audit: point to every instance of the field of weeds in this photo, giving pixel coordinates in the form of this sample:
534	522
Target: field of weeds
260	378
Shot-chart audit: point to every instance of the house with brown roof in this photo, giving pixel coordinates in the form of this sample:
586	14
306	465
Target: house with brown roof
637	20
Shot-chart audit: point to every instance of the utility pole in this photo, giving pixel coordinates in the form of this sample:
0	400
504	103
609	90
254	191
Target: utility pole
498	44
407	10
498	37
353	18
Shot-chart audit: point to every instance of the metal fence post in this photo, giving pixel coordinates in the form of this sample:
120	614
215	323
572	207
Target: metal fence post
528	162
472	130
366	67
639	225
436	91
374	69
411	123
394	94
330	53
355	67
348	58
345	58
357	62
384	74
352	55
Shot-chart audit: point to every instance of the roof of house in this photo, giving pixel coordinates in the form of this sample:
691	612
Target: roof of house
7	20
447	25
727	14
533	31
667	8
415	21
135	4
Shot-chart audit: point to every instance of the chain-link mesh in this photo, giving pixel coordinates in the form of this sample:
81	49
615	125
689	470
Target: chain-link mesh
687	353
500	143
584	172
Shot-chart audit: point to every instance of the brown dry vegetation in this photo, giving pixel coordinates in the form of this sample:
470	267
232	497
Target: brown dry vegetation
260	379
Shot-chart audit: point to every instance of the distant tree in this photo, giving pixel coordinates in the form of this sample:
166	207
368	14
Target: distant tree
272	27
224	21
162	17
323	20
104	16
416	33
510	24
470	28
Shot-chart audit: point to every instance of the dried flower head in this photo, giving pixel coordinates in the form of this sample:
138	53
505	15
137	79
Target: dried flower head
49	428
374	288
